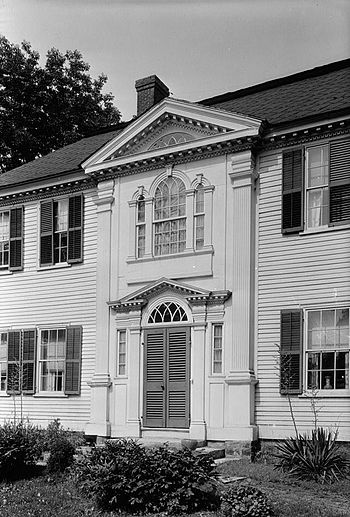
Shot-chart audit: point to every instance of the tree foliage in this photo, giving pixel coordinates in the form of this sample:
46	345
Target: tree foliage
46	107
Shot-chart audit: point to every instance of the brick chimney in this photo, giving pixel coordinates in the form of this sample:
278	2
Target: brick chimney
150	90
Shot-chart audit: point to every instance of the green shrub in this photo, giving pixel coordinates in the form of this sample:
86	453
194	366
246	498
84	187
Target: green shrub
244	501
317	457
21	446
61	444
123	475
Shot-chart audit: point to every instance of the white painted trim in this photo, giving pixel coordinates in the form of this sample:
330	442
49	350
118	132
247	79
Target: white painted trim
95	165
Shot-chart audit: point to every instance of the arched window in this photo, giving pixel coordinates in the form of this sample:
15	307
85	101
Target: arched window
140	227
167	312
170	217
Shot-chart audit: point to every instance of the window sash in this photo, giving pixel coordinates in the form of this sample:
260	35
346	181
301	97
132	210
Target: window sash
52	357
4	238
3	361
316	186
327	349
121	353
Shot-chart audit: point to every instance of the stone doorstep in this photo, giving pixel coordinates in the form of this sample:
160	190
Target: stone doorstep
210	452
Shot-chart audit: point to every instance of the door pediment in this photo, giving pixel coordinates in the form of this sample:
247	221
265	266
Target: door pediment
193	295
171	125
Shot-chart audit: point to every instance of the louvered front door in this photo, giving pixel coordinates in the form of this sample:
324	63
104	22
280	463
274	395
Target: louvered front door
166	378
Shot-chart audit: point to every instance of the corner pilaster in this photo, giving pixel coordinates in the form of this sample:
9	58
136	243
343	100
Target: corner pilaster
100	383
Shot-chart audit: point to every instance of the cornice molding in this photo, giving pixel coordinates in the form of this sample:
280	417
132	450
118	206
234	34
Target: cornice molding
175	158
304	136
47	192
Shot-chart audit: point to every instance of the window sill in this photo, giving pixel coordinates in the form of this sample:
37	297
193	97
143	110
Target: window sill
50	394
60	265
325	229
208	250
323	394
4	272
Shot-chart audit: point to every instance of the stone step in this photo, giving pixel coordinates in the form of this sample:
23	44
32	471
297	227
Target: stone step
210	452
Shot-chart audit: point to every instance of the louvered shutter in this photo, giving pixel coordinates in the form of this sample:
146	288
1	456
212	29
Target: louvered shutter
291	351
16	239
28	360
73	361
178	377
339	182
154	378
292	191
75	229
14	366
46	233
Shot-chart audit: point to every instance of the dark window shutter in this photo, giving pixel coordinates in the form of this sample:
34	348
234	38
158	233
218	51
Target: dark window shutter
75	229
14	363
16	239
178	378
28	360
46	233
291	351
292	191
154	378
73	361
339	182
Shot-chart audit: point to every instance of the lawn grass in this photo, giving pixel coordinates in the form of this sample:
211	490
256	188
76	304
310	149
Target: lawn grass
59	497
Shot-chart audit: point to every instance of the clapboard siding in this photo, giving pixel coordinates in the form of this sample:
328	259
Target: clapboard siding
294	271
50	296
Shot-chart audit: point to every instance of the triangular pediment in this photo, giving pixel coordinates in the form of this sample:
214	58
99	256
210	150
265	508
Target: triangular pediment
171	126
161	285
194	295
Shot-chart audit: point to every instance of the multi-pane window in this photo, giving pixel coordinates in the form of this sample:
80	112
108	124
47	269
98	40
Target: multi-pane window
170	217
3	360
52	359
141	227
121	359
317	204
217	348
4	238
199	218
327	349
60	209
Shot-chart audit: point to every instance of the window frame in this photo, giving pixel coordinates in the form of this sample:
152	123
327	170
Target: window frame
48	235
3	242
3	392
308	189
41	361
336	179
119	364
306	350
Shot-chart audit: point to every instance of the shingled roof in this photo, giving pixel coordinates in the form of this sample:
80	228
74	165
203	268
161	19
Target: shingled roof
60	162
313	94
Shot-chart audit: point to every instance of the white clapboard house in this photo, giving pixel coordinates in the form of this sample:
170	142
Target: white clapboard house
178	275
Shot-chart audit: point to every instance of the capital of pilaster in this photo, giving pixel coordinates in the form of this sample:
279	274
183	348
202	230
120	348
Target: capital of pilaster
105	195
242	172
241	377
100	380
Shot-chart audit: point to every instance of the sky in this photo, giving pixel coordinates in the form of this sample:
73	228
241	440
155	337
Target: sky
198	48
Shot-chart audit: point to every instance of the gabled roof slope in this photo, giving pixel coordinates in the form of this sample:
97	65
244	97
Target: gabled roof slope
64	160
310	94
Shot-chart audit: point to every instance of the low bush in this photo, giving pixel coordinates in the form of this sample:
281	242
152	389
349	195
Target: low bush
317	457
21	446
61	443
123	475
244	501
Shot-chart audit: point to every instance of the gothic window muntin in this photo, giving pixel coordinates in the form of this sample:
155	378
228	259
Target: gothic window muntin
199	211
140	227
169	217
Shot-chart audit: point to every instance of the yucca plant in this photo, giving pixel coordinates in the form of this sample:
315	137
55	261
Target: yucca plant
315	457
